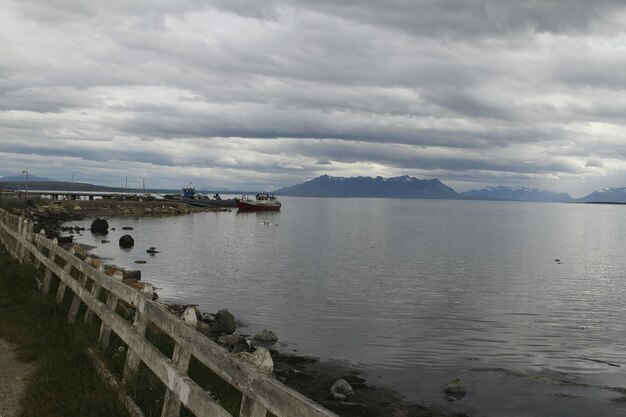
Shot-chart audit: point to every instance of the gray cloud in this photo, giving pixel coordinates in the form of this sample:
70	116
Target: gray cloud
241	93
476	17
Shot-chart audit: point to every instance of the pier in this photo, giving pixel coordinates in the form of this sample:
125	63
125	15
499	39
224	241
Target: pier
80	195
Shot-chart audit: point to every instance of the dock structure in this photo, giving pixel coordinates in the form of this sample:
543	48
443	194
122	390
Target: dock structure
7	194
80	195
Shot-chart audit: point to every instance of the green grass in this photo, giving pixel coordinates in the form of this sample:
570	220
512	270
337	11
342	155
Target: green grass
64	382
225	394
10	205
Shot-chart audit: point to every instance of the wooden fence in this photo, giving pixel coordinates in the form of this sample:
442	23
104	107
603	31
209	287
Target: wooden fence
260	391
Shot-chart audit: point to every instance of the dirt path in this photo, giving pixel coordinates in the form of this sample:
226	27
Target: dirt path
13	378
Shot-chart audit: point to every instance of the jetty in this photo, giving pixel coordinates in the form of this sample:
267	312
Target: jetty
80	195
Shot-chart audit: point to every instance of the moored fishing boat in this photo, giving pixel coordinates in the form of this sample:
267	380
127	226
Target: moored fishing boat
197	199
261	202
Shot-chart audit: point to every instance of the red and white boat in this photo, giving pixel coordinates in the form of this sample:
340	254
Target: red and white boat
261	202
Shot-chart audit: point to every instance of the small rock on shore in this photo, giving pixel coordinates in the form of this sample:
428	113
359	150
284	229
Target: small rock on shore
266	335
127	241
100	226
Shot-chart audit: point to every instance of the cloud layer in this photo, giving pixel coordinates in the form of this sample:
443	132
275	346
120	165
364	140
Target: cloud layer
246	94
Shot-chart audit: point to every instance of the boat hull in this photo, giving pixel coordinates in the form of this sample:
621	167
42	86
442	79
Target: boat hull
252	206
231	202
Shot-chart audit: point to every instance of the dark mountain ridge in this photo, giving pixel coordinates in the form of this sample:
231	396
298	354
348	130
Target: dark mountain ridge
18	178
606	195
62	186
397	187
411	187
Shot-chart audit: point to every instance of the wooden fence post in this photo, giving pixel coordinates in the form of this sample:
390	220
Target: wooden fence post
17	228
37	263
18	244
250	408
14	245
3	221
132	357
12	248
105	331
47	275
171	402
95	290
71	317
27	228
22	239
62	285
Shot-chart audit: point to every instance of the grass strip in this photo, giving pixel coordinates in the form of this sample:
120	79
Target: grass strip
64	382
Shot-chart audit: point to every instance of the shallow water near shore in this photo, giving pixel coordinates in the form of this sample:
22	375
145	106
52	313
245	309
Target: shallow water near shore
418	291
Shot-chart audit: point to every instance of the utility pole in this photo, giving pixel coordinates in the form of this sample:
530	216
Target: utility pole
26	195
72	183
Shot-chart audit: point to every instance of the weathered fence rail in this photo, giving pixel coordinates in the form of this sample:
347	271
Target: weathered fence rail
260	391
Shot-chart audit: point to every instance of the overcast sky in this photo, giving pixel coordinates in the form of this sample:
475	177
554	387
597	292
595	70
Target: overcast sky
251	94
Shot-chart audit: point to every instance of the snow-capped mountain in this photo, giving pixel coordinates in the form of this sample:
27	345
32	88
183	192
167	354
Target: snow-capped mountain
397	187
517	194
606	195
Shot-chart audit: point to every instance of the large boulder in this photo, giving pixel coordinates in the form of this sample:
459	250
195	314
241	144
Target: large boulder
266	335
207	317
131	273
230	340
341	390
95	262
127	241
65	240
224	322
240	347
190	315
456	386
204	328
100	226
262	359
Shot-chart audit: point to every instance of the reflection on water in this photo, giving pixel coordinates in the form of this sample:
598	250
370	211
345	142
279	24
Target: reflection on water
420	291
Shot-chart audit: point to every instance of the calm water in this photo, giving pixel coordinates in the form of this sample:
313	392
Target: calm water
417	291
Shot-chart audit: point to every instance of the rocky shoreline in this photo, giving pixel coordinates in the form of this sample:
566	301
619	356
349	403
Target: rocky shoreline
336	385
50	215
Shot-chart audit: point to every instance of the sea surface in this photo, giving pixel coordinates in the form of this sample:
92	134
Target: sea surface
416	292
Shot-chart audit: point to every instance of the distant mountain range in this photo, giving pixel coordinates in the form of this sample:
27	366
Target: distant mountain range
45	184
398	187
22	178
517	194
52	185
606	195
328	186
410	187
